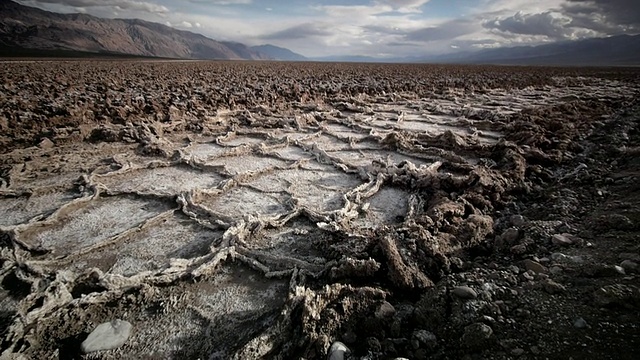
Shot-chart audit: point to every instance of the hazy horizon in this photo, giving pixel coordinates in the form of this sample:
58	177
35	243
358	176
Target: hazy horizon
377	28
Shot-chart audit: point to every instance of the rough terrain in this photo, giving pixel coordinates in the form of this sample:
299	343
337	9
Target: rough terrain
265	210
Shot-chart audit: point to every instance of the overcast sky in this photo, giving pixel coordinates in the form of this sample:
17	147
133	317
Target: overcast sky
381	28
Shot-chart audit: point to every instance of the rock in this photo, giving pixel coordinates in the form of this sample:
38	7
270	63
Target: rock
629	265
580	323
385	310
337	351
476	336
46	144
517	352
464	292
425	338
619	295
604	270
534	266
560	257
561	240
517	220
510	235
106	336
555	270
518	249
552	287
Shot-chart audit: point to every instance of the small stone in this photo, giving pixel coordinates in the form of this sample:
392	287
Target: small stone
337	351
106	336
535	350
629	265
464	292
477	336
425	338
555	270
517	220
552	287
514	269
580	323
510	235
518	249
627	296
561	240
619	270
45	143
385	310
517	352
534	266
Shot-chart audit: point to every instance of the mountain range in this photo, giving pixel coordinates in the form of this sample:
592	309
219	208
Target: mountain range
28	31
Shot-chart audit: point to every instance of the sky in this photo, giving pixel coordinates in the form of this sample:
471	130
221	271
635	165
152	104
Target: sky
378	28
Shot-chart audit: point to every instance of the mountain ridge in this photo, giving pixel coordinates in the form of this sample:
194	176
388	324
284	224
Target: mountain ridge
26	29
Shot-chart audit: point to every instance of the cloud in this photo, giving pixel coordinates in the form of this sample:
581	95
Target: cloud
301	31
186	24
445	31
550	24
222	2
406	6
611	16
620	12
120	4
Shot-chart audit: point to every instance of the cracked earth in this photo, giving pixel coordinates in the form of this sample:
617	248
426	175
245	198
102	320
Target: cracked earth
264	210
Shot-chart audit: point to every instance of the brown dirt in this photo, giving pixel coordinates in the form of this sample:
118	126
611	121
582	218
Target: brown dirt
264	210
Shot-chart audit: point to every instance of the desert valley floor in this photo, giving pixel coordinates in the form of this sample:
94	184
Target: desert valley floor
264	210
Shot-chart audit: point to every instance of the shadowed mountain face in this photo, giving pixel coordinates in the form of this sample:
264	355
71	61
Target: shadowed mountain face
278	53
24	28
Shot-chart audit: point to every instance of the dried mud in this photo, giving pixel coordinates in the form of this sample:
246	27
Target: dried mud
265	210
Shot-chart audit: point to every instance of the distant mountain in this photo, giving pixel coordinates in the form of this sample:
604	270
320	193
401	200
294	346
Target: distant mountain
355	58
32	32
615	50
279	53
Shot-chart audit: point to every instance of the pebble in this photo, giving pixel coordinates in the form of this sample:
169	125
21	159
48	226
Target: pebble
477	335
337	351
534	266
385	310
106	336
580	323
517	352
46	144
555	270
560	257
464	292
518	249
552	287
629	265
510	235
561	240
517	220
426	338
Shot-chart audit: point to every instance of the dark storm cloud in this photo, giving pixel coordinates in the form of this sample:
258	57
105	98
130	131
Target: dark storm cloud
122	4
301	31
617	12
549	24
445	31
574	19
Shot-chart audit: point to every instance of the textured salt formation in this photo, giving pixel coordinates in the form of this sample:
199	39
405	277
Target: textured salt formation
254	223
